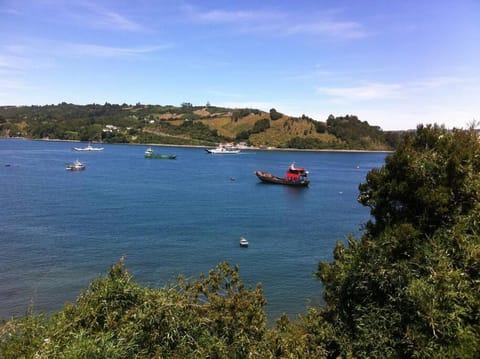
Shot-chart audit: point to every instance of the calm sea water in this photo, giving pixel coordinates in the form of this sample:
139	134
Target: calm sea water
59	229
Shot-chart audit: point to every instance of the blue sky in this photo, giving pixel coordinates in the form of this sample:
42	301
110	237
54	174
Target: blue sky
392	63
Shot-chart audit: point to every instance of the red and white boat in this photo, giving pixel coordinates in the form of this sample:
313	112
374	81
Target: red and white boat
295	176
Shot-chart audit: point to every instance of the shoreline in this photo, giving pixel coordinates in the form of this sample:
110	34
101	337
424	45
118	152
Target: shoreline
251	148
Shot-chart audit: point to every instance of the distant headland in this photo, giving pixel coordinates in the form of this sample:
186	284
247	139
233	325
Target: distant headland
188	125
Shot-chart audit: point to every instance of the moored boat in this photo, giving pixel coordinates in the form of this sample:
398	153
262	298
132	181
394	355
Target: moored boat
295	176
88	148
150	154
243	242
223	150
75	166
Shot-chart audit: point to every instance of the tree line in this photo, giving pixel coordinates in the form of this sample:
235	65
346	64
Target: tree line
173	125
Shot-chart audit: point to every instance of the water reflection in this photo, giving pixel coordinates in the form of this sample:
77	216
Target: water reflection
295	192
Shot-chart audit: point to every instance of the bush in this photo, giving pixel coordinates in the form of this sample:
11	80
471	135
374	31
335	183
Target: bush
409	286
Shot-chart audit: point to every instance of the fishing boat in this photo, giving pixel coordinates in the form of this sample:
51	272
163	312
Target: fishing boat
150	154
223	150
243	242
75	166
295	176
88	148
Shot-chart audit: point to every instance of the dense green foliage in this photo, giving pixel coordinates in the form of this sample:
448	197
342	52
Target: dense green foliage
212	317
357	134
313	143
243	112
275	115
128	124
408	288
215	316
259	126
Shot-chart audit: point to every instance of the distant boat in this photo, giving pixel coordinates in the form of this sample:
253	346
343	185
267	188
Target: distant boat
75	166
223	150
150	154
88	148
243	242
295	176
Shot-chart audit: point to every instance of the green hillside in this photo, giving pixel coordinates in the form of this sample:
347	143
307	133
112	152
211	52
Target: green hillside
188	125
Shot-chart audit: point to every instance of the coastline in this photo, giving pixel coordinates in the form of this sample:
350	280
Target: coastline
249	148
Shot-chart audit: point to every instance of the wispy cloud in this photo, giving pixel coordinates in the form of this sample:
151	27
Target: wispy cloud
9	11
223	16
86	13
111	51
394	91
343	29
13	84
436	82
93	15
9	62
116	21
277	22
366	92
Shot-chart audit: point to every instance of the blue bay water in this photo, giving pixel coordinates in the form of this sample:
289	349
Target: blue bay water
60	229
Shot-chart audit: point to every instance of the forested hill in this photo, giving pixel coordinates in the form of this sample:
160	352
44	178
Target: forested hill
190	125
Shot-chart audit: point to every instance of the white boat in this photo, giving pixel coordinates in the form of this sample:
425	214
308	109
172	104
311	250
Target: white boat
223	150
243	242
88	148
75	166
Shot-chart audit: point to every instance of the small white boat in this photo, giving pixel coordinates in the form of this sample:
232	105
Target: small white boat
223	150
75	166
243	242
88	148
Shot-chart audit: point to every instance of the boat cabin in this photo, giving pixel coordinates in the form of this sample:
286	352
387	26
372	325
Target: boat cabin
296	174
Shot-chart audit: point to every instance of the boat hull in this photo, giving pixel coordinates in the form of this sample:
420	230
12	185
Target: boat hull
87	150
75	167
269	178
161	157
213	152
223	151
